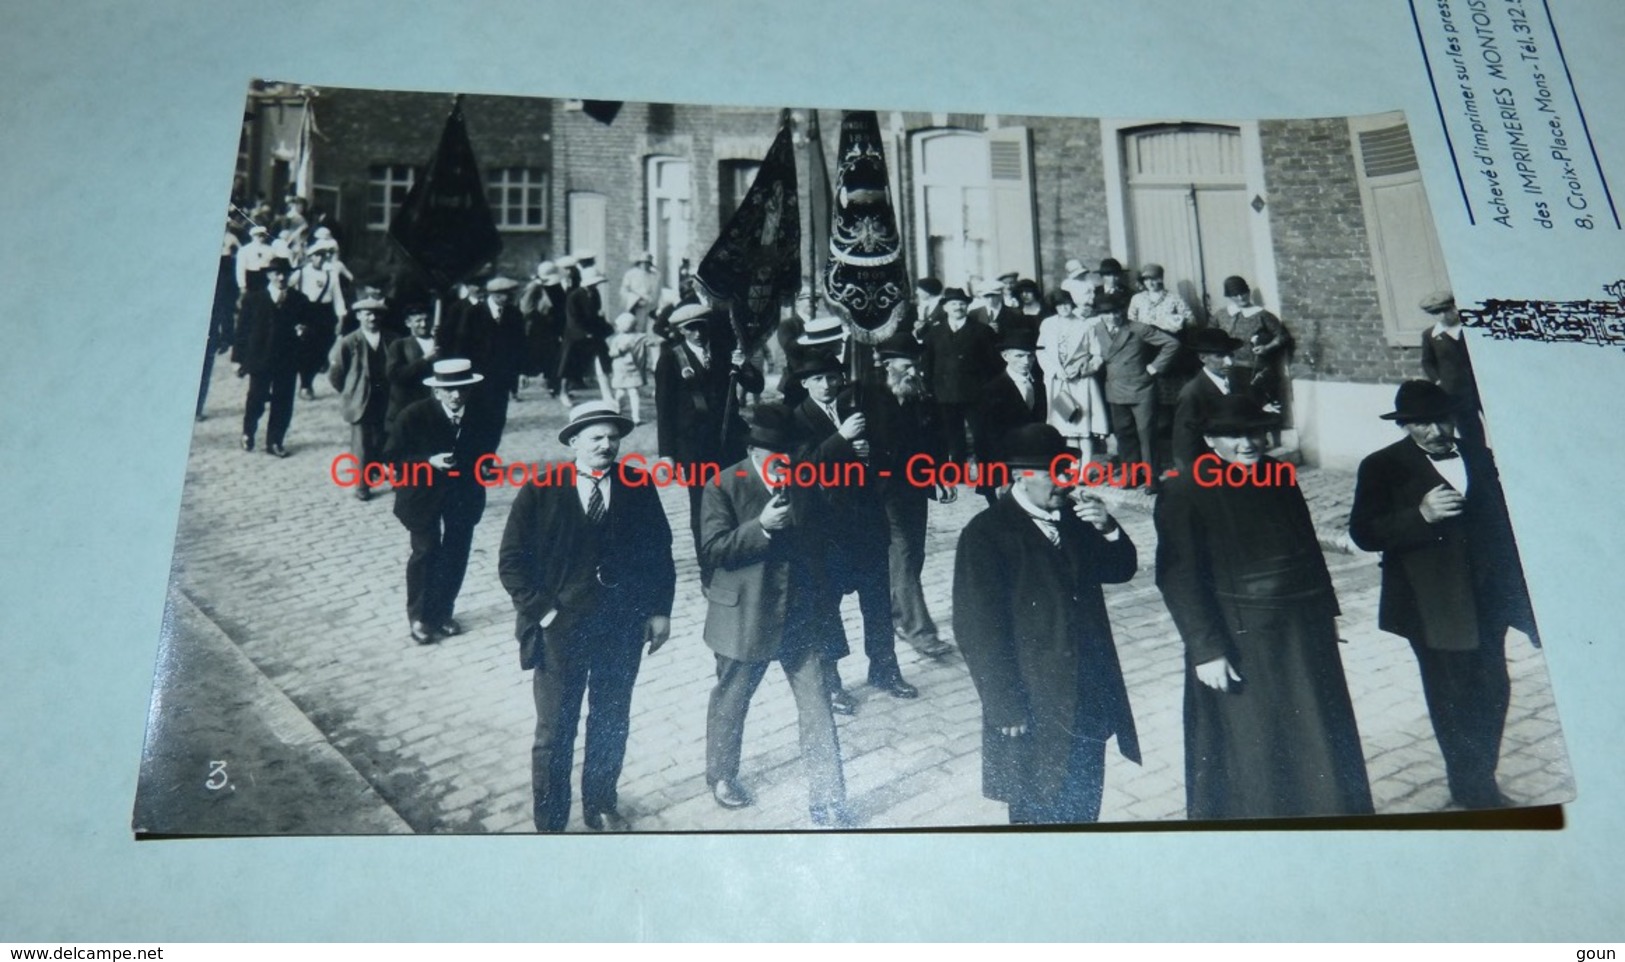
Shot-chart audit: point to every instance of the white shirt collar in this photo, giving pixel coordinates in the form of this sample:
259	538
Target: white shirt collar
1033	510
1453	331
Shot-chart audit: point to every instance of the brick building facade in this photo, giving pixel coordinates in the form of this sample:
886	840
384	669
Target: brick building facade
1325	217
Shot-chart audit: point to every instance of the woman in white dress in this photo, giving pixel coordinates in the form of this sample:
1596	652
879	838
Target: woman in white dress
1070	351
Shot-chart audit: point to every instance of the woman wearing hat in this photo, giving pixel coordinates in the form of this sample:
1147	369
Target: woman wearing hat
1069	350
1269	726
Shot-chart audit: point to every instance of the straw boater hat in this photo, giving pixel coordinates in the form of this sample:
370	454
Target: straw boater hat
1421	401
369	304
1235	415
259	230
1211	340
990	288
772	428
591	275
500	285
822	330
689	314
594	412
453	372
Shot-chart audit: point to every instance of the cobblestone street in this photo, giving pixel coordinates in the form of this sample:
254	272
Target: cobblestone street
308	584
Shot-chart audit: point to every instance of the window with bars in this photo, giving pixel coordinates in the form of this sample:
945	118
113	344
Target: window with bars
518	197
387	185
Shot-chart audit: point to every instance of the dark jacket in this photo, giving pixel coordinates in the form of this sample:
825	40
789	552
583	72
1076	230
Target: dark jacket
1031	620
1442	583
1196	401
614	577
359	373
423	430
405	365
692	406
267	334
957	364
1129	350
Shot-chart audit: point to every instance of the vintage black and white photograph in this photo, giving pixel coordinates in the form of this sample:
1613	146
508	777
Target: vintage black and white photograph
566	465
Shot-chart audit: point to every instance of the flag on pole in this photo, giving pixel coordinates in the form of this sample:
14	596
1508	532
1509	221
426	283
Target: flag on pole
864	277
444	225
302	152
755	263
818	201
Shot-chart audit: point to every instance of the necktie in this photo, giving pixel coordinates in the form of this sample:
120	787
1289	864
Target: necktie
1447	456
1051	530
595	502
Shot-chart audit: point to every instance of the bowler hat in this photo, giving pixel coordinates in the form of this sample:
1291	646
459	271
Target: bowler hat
771	427
930	285
1420	401
1110	265
1033	446
279	265
594	412
899	345
1018	339
815	363
453	372
1236	286
955	294
1211	340
1235	415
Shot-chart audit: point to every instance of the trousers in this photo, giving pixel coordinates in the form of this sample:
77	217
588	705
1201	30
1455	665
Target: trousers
600	663
725	722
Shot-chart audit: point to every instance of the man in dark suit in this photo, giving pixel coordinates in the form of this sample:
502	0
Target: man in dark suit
1269	726
1031	619
1135	354
584	343
590	571
993	311
1451	580
449	434
1446	363
491	334
902	423
959	357
357	371
1012	398
851	518
697	416
407	361
768	602
1197	399
267	351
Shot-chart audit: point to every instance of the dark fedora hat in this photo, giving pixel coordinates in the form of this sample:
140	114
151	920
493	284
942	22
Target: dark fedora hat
1033	446
899	345
1420	401
594	412
1110	265
772	427
1235	415
1018	339
814	363
1211	340
279	265
955	294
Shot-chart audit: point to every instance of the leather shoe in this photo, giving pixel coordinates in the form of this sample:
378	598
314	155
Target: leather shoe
729	794
363	493
276	450
841	702
833	815
422	633
894	685
248	442
935	648
608	820
450	627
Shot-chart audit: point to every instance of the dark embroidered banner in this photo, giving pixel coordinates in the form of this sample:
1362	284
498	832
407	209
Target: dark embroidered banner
865	277
444	225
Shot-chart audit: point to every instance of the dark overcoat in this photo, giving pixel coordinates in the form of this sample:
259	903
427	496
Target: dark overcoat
543	566
1443	584
267	333
405	365
1241	571
696	420
423	430
1031	620
956	364
1196	401
1002	410
767	597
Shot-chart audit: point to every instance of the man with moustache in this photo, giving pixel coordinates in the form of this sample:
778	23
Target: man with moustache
902	423
450	433
1014	397
852	520
491	334
358	372
768	601
585	612
1452	583
1030	617
266	350
1269	727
